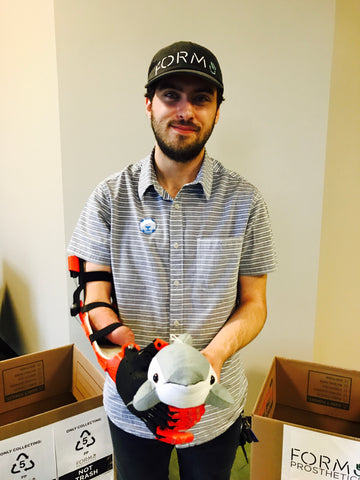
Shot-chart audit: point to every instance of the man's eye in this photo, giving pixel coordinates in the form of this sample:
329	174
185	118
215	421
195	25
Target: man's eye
171	95
201	99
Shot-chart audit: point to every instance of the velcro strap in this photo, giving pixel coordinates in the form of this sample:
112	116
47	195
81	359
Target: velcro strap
99	276
99	334
91	306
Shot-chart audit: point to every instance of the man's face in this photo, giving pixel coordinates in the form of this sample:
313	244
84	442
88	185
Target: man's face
183	113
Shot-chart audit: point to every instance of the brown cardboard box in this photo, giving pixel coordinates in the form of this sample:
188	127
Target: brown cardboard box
307	395
42	388
55	393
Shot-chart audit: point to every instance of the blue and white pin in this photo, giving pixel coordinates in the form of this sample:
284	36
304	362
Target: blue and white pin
148	226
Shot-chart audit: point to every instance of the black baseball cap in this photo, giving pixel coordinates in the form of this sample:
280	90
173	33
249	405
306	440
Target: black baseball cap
185	57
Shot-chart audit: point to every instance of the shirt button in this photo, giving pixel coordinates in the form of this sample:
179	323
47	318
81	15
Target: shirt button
176	283
177	206
176	245
176	323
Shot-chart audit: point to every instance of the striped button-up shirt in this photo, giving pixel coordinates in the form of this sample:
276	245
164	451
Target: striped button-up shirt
176	264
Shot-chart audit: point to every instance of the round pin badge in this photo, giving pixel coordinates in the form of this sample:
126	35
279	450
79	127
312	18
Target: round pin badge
148	226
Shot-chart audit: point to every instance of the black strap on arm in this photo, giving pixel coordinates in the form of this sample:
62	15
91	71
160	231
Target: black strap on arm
100	334
91	306
84	278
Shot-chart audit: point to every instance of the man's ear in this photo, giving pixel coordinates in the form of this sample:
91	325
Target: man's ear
148	105
217	115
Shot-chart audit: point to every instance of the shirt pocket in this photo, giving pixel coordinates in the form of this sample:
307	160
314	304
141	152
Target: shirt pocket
218	262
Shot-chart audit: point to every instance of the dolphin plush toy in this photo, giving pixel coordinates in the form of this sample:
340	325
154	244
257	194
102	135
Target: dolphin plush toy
180	376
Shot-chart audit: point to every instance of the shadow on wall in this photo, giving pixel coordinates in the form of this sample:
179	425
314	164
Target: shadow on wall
17	326
8	323
256	379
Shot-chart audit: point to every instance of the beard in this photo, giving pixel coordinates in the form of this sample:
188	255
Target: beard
179	150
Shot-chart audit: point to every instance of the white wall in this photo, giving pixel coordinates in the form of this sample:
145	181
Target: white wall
338	307
31	213
276	61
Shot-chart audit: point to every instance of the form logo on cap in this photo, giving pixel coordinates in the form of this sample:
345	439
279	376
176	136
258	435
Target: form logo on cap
180	58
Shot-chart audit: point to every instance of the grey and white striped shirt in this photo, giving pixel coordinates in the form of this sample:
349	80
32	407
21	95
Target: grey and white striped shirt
176	264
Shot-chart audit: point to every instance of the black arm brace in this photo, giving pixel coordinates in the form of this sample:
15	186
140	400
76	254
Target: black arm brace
77	270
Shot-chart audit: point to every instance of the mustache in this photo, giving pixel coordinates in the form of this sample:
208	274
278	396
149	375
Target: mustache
183	123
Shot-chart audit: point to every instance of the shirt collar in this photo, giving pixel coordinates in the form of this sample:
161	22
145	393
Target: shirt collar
205	175
148	176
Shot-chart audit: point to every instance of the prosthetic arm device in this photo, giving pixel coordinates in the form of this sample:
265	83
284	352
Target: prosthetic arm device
128	365
108	355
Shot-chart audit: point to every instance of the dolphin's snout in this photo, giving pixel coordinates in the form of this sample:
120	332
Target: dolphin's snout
186	376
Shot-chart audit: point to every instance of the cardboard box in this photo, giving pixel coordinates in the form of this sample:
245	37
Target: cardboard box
51	403
316	405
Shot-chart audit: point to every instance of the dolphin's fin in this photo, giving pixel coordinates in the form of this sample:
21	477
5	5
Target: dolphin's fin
219	397
146	397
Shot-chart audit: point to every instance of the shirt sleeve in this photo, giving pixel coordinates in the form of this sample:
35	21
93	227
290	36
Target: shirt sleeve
258	253
91	237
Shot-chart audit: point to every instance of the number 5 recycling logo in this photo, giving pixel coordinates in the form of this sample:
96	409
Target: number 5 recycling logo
22	464
86	440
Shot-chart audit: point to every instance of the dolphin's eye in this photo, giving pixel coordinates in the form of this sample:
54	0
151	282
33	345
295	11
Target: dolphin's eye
156	377
212	380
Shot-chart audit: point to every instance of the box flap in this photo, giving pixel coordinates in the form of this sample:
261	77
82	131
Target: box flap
35	377
266	401
318	388
87	380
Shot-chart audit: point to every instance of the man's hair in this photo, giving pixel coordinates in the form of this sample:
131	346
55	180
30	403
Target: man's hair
150	92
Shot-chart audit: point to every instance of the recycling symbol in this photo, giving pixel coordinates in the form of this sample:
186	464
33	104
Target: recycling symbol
22	464
86	440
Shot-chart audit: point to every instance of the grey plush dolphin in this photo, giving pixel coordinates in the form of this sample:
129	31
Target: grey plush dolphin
180	376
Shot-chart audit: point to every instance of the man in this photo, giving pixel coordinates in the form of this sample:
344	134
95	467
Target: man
189	246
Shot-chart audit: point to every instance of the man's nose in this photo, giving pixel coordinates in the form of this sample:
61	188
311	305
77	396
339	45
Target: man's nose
185	109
